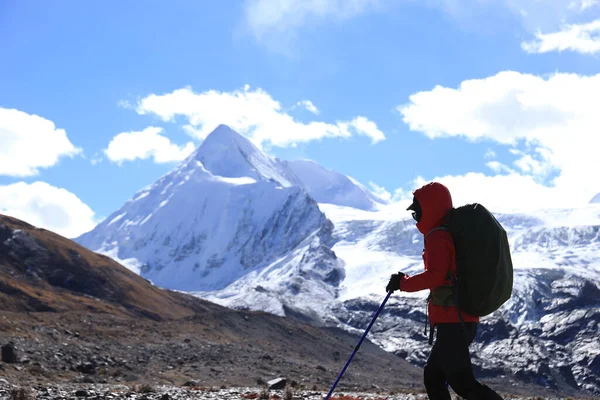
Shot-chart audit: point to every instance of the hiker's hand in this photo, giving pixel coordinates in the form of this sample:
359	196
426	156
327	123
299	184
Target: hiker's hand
394	283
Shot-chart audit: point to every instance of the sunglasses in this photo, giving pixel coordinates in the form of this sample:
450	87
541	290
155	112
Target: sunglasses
415	216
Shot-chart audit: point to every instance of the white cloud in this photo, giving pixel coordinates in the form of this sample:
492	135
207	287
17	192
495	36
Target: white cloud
309	106
253	113
583	5
498	167
556	117
490	154
490	16
30	142
97	159
280	17
383	194
149	143
126	104
503	193
365	127
536	163
581	38
46	206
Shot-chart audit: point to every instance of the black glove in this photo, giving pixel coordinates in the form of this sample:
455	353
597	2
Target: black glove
394	283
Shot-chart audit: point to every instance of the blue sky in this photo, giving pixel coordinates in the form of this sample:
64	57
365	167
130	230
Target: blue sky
495	98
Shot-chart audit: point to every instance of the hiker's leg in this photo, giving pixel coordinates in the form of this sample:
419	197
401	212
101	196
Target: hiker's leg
435	380
455	358
456	361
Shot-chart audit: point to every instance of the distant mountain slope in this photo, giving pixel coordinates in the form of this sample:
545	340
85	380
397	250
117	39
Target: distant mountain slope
326	186
595	199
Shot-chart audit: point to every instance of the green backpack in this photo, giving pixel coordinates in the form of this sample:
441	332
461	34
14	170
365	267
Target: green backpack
484	268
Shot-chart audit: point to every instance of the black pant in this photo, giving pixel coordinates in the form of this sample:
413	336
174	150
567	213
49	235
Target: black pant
450	364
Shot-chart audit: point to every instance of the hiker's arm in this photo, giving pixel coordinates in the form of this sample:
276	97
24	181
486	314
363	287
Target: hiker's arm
439	259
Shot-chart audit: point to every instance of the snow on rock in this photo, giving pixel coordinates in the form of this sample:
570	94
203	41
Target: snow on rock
300	283
131	263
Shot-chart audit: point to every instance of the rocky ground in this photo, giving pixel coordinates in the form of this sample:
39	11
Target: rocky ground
92	356
95	348
66	352
147	392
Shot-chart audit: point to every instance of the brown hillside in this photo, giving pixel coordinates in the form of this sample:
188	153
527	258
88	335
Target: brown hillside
43	271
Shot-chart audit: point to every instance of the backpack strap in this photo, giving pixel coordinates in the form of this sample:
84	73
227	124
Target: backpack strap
430	297
439	228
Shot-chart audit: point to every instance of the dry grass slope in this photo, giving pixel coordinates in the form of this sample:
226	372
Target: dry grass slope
43	271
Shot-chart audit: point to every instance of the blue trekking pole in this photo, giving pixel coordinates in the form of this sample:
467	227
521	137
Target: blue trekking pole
358	345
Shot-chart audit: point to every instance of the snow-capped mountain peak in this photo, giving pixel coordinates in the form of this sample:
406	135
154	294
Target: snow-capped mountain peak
228	212
227	153
596	199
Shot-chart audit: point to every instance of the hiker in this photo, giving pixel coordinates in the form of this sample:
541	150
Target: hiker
449	362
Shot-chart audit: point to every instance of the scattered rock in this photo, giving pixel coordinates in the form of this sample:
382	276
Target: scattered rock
321	368
9	353
165	397
87	368
81	393
190	384
277	383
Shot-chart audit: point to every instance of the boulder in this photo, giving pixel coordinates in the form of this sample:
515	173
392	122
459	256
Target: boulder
9	353
277	383
87	368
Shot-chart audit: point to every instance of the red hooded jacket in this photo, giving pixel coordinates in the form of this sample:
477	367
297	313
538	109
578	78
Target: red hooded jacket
438	255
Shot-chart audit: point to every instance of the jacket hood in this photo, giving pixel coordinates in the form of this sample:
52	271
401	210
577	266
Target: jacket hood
435	201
